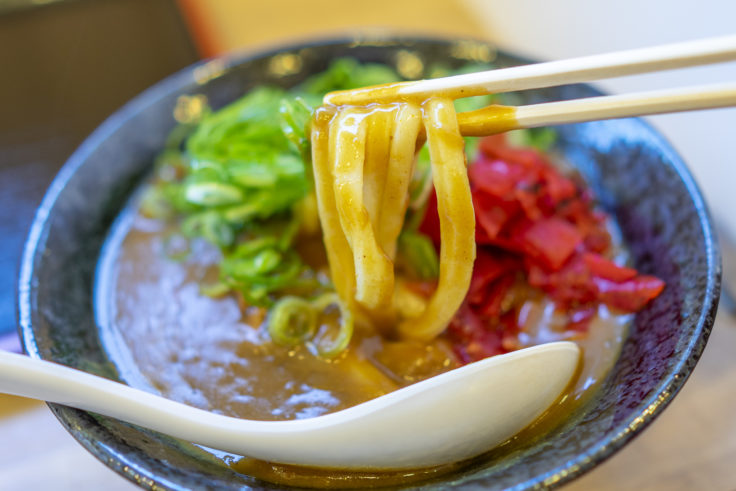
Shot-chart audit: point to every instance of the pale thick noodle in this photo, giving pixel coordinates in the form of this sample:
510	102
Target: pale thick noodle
338	250
374	274
400	169
457	220
363	162
378	134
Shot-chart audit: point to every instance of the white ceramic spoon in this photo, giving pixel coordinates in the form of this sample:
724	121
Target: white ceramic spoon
444	419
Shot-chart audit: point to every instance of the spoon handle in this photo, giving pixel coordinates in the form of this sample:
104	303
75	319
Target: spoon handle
23	376
443	419
44	380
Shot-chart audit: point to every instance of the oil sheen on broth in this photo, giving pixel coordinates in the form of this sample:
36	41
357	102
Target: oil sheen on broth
168	337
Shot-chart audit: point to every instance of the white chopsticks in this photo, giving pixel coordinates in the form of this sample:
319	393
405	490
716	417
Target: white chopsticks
478	123
584	69
574	70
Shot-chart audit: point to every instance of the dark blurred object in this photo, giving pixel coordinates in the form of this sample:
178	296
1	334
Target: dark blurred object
65	67
728	257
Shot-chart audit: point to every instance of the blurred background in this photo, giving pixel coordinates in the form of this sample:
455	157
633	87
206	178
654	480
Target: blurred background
65	65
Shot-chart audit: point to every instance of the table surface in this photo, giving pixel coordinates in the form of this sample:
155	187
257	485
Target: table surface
75	62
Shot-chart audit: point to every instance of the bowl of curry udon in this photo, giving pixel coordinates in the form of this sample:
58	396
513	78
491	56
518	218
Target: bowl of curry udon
180	250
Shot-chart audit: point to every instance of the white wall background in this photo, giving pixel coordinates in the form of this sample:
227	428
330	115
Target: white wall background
547	30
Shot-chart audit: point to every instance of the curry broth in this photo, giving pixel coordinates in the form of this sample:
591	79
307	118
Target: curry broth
213	354
210	353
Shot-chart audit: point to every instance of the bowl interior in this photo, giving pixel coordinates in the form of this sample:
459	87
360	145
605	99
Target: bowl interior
636	175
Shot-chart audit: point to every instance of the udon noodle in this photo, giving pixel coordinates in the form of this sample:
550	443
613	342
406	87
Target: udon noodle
363	158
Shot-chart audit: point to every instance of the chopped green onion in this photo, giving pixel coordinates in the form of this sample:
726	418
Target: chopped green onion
295	117
213	194
211	226
252	174
342	340
176	247
291	321
266	261
240	213
418	255
259	267
154	204
347	73
215	290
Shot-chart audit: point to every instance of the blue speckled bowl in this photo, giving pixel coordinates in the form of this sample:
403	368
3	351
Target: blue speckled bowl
635	173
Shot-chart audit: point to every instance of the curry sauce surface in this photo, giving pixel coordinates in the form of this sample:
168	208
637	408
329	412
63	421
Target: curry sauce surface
213	354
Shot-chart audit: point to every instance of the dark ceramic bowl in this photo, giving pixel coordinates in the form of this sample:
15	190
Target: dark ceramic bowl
635	173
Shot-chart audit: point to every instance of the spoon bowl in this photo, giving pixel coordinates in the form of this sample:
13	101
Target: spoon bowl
441	420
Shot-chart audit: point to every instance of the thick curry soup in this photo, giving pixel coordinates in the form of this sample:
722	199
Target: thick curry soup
286	260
